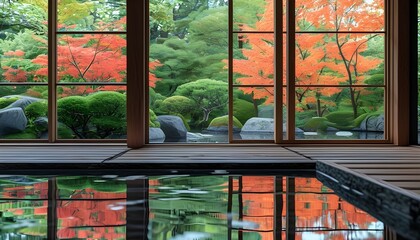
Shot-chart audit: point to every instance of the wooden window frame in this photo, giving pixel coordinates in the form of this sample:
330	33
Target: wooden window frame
400	74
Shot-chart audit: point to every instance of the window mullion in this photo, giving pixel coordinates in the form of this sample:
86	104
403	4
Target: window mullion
290	68
52	69
278	71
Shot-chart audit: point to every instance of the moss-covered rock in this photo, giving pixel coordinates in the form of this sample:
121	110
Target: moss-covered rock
224	121
153	122
36	110
5	102
316	124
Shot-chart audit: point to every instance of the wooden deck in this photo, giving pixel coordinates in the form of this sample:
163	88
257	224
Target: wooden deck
398	166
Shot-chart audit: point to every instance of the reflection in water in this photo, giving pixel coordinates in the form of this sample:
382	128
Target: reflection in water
178	207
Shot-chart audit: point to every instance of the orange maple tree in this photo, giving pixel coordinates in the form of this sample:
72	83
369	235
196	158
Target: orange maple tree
321	58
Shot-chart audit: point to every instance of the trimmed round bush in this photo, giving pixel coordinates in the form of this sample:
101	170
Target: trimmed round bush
108	111
243	110
36	110
177	105
73	112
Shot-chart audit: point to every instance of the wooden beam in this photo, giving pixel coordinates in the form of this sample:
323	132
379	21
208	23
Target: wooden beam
136	76
400	70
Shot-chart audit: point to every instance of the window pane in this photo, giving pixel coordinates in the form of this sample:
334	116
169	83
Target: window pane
23	41
254	110
255	15
91	112
340	15
322	59
89	15
254	59
91	58
188	65
23	112
340	113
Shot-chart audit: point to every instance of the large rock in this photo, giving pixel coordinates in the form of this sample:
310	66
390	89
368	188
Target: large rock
23	102
373	123
173	127
156	135
12	120
257	124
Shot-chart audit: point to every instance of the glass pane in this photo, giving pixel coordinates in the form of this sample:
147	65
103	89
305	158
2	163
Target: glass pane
23	41
253	61
322	59
340	15
23	187
91	112
85	187
340	113
253	15
23	112
253	109
188	73
23	219
91	58
89	15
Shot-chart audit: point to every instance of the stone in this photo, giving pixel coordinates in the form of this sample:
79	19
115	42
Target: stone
221	129
297	130
12	120
173	127
373	123
156	135
23	102
41	123
257	124
344	134
266	111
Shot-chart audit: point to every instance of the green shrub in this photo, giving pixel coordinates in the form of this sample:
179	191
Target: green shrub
177	105
108	111
153	122
5	102
224	121
341	118
26	134
243	110
73	112
36	110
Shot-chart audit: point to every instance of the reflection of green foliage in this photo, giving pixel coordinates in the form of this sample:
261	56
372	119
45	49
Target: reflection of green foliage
108	112
224	121
153	122
243	110
74	183
5	102
35	110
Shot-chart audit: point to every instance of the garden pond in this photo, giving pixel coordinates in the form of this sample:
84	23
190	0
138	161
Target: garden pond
173	207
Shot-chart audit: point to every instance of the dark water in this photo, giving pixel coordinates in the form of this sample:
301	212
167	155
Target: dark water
178	207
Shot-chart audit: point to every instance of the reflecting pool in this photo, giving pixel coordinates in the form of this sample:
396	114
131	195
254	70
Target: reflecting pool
175	207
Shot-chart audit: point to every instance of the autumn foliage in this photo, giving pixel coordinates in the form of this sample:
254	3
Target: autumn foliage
321	58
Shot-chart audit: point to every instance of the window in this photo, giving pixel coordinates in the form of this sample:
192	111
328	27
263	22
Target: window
220	71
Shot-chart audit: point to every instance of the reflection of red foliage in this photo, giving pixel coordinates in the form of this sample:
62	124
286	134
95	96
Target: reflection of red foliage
315	208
